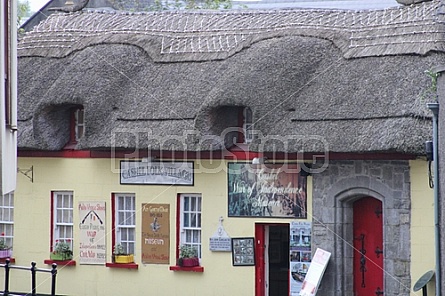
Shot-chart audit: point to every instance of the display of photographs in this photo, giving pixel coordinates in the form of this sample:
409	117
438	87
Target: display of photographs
266	190
300	238
243	251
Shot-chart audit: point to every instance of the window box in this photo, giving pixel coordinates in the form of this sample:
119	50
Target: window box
6	253
60	262
192	269
60	257
123	259
188	262
122	265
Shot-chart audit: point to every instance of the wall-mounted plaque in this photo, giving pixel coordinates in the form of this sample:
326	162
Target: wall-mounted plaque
243	251
220	240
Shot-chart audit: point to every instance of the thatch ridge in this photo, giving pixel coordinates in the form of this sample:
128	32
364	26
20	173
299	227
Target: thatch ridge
208	35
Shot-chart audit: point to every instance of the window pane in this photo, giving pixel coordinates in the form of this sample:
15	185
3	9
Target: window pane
193	220
186	220
186	204
131	235
193	204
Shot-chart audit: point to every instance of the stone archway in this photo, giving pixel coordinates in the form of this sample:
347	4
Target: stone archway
334	192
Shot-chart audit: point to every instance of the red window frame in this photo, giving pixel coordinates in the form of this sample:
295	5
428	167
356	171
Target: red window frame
113	237
178	237
51	236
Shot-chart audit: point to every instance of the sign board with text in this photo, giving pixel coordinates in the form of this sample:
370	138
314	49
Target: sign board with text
315	273
92	230
156	233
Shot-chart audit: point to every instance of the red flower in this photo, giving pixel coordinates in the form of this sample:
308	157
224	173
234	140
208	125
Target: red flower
68	240
3	234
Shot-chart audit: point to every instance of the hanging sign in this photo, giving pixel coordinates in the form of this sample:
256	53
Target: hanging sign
156	233
92	247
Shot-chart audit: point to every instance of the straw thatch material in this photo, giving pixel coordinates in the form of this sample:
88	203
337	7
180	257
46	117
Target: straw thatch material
315	79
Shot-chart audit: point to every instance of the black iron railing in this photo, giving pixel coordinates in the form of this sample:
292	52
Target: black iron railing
33	269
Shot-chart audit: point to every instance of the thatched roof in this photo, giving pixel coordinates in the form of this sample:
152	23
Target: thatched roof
352	81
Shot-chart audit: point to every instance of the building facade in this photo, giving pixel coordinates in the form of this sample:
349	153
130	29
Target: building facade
252	137
8	97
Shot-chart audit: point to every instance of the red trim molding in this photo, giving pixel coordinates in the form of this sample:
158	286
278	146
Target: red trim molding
192	269
238	152
60	262
122	265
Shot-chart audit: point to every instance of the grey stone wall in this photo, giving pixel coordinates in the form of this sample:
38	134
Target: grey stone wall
334	191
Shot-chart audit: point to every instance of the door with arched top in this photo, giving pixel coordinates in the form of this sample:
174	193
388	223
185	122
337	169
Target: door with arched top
368	247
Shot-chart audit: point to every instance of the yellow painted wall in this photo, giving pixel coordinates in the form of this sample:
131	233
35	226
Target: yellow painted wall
422	230
95	180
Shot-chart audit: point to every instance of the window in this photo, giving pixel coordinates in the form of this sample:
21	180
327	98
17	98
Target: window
124	221
79	123
190	221
77	126
62	220
247	125
7	218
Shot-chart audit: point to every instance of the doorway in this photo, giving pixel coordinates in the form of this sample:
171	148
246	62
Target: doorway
272	255
368	247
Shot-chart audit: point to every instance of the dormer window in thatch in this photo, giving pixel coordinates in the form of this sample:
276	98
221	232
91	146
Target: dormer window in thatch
233	123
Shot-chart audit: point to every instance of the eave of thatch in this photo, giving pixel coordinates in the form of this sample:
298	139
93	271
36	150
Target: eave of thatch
353	81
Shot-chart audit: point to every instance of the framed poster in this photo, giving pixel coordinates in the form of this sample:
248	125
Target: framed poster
243	251
266	190
135	172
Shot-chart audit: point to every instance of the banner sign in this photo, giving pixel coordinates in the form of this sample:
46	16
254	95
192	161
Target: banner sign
266	190
92	230
156	173
156	233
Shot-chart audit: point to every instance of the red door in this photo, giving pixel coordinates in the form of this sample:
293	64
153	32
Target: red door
368	247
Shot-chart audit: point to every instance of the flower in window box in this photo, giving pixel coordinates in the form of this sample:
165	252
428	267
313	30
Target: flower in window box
120	256
188	256
5	250
62	251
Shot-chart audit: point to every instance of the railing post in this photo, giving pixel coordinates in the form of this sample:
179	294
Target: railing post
53	282
6	291
33	278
